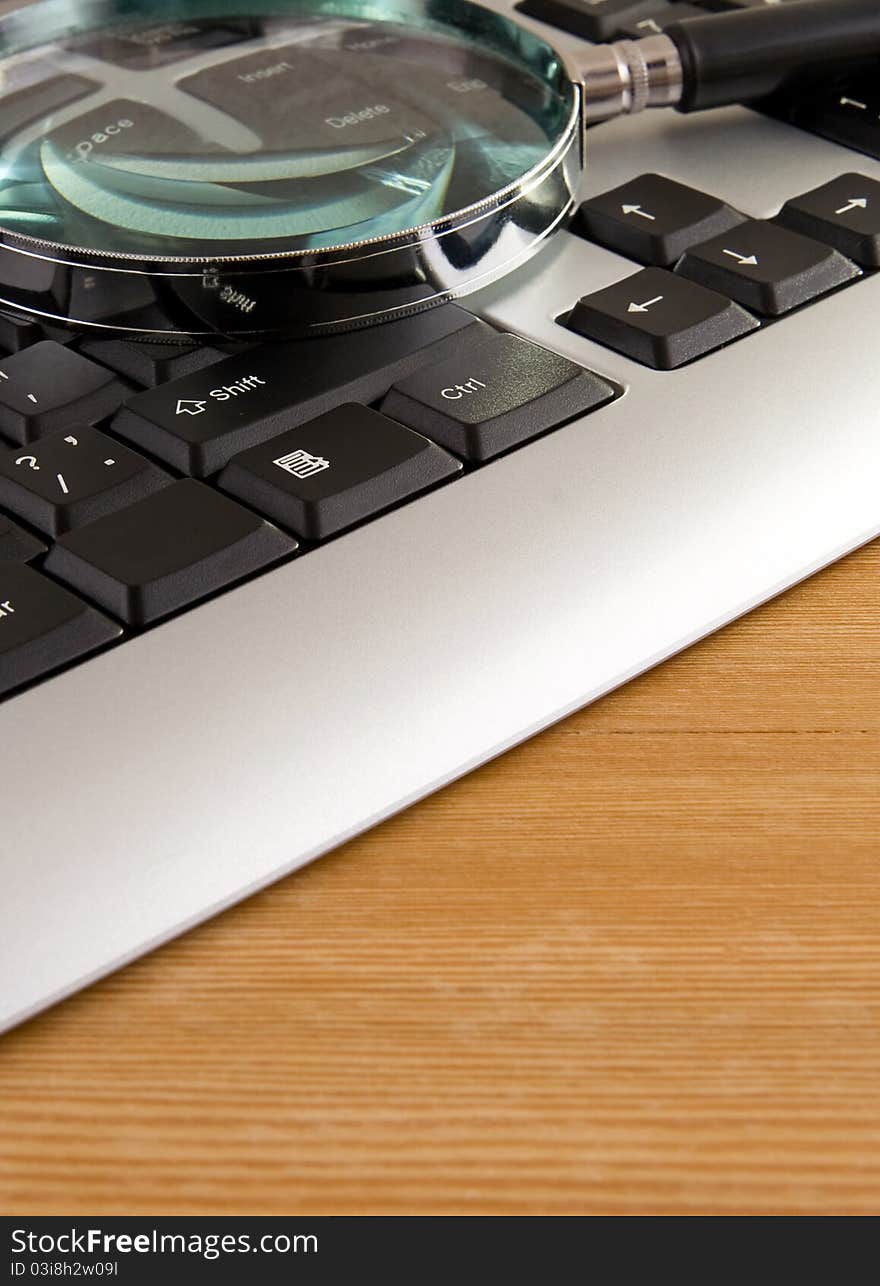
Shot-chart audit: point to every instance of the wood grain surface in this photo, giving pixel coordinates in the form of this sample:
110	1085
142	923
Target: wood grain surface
632	966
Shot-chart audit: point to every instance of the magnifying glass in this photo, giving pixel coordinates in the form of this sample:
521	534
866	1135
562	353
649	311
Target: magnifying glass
256	167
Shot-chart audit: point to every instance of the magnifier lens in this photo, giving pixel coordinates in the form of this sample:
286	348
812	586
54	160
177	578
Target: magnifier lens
202	143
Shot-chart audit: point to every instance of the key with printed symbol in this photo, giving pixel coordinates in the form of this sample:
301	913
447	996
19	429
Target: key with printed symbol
48	386
504	392
653	219
336	470
69	479
657	20
198	423
165	552
844	213
43	626
16	544
591	19
766	268
660	319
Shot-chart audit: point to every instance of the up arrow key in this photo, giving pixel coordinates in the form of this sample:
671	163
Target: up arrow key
190	406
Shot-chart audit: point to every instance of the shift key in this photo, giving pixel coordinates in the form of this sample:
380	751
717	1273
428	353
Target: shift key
199	422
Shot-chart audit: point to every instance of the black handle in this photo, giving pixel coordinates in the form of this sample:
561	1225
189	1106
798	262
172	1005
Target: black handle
740	56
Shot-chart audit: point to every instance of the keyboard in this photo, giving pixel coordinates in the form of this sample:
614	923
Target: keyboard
254	598
138	479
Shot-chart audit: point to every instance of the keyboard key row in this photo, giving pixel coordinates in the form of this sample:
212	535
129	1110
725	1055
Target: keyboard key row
198	423
767	267
133	544
482	394
655	220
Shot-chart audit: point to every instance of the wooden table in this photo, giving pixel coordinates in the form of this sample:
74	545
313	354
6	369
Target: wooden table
632	966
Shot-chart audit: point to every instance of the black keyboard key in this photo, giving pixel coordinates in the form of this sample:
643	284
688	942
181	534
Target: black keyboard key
504	392
766	268
591	19
653	219
346	465
151	363
69	479
32	103
844	213
48	386
166	552
847	110
43	626
198	423
653	23
43	284
660	319
295	109
16	545
17	332
157	45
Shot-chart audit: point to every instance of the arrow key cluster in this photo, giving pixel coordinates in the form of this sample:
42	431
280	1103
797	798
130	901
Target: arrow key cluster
767	268
653	219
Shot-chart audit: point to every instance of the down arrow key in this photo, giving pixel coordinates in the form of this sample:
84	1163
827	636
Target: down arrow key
767	268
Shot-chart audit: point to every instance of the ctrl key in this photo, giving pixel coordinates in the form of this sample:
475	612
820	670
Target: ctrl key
43	626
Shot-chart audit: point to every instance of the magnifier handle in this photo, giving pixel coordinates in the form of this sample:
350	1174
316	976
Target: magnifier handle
726	58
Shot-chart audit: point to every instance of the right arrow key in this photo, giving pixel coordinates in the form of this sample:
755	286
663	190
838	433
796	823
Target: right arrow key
766	268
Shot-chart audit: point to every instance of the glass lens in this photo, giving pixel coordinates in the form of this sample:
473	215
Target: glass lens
202	129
